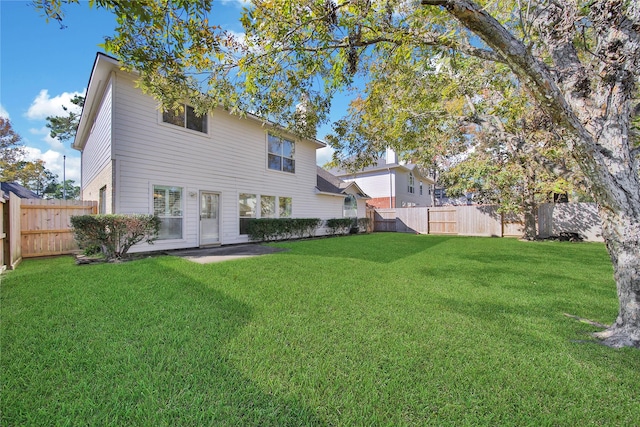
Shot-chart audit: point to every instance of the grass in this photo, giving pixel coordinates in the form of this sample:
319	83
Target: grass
381	329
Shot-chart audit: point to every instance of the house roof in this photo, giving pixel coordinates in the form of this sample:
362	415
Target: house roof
103	66
330	184
381	165
18	190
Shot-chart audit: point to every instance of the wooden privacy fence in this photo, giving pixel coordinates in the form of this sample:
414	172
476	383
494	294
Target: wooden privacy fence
456	220
45	225
35	227
484	220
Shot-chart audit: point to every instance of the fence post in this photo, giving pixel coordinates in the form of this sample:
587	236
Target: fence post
14	255
3	234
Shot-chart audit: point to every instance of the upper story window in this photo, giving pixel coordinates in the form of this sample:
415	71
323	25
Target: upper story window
421	188
281	154
412	183
186	117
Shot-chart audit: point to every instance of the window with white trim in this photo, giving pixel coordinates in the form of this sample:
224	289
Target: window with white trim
421	188
167	205
247	204
411	183
350	208
281	154
185	116
285	206
267	206
102	200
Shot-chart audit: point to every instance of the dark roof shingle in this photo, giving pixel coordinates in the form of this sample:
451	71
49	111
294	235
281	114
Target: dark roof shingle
18	190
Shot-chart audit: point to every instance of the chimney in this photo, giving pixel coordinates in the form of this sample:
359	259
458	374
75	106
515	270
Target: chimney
391	156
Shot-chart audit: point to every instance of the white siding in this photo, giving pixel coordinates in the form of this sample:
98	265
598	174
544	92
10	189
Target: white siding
395	181
230	160
406	199
96	155
374	184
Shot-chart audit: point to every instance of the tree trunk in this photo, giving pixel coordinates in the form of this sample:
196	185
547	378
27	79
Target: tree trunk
615	184
530	223
529	200
621	231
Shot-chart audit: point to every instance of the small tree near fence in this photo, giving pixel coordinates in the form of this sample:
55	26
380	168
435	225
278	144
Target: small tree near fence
114	234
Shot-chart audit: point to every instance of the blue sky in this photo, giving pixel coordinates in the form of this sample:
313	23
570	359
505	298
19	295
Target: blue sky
42	66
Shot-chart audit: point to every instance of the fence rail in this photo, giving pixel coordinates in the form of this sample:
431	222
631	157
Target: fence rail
46	225
485	220
35	227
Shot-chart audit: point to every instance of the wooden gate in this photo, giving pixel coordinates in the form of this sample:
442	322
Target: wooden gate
45	225
443	220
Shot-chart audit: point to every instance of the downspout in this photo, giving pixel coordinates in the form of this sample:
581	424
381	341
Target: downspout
390	189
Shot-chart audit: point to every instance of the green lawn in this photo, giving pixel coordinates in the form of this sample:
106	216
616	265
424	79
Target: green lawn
381	329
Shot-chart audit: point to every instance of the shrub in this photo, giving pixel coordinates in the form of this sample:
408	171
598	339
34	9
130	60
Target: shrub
364	224
264	229
305	227
340	225
114	234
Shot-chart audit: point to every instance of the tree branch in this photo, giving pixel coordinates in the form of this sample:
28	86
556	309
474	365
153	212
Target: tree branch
438	40
531	71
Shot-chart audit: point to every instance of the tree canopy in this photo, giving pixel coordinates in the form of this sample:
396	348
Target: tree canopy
64	127
579	60
11	148
30	174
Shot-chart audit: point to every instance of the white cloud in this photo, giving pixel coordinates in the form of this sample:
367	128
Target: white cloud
55	162
239	37
43	105
238	3
4	113
54	143
323	155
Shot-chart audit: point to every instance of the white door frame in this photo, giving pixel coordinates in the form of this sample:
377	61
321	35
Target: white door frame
202	240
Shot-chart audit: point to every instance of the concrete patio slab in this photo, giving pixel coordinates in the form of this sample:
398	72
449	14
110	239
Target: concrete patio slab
224	253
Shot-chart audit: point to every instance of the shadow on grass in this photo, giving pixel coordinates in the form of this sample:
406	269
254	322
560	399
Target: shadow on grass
131	348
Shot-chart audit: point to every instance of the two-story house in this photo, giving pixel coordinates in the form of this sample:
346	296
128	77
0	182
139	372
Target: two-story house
392	184
204	176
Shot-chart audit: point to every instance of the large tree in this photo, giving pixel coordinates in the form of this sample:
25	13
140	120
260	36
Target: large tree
579	59
64	127
30	174
11	148
466	120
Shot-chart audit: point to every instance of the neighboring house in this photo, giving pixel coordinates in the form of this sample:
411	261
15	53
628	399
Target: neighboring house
355	200
442	199
205	177
18	190
391	184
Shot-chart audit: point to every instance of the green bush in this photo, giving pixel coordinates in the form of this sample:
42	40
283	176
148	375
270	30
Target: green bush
348	225
305	227
265	229
340	225
114	234
363	225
